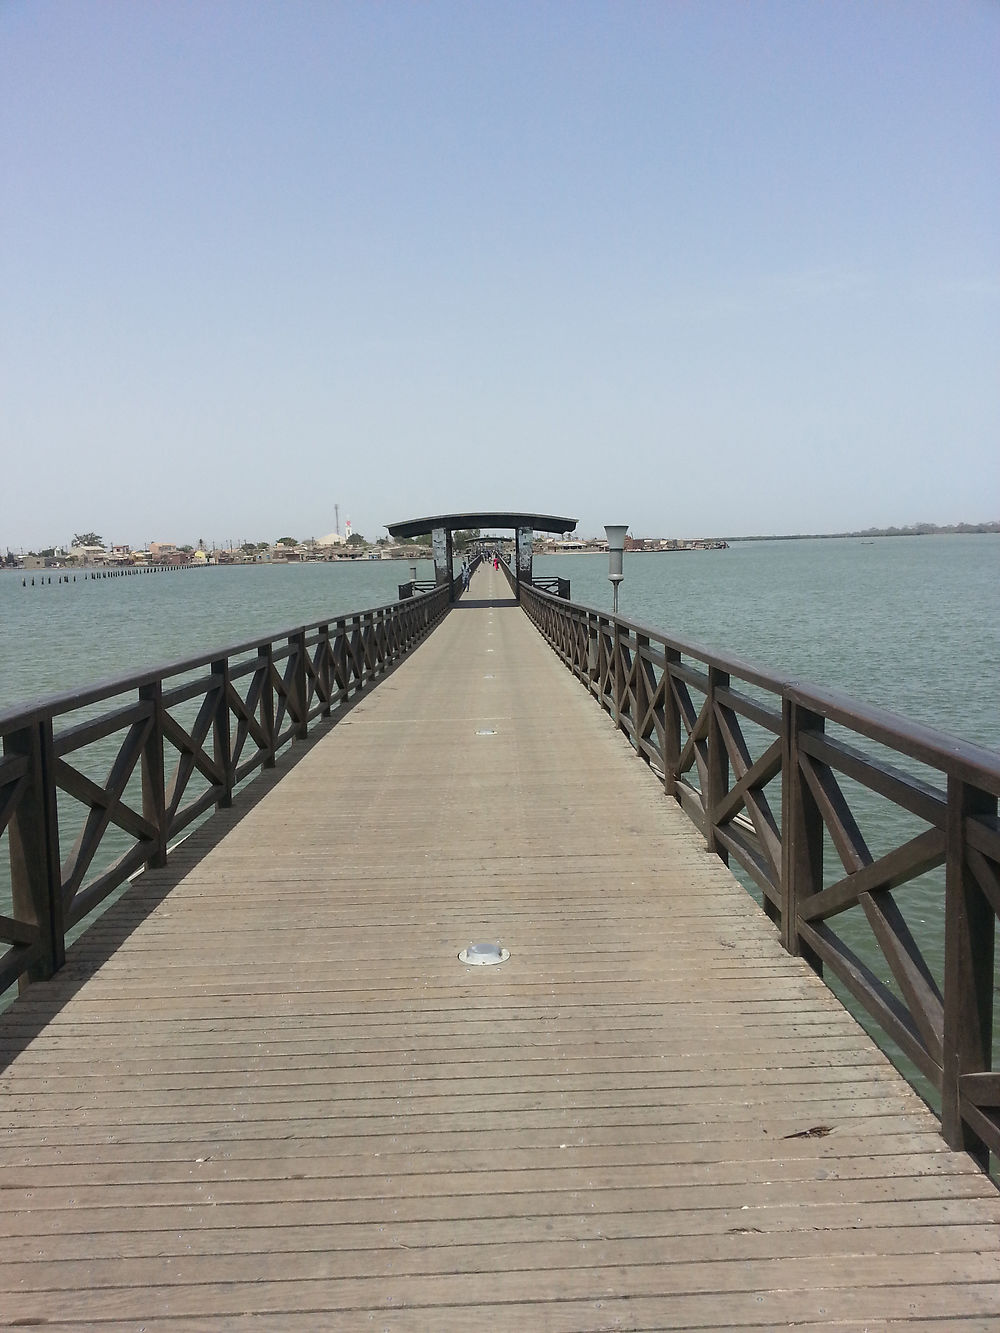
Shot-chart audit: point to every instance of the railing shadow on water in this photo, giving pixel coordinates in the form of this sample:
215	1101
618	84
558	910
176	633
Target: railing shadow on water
862	835
96	785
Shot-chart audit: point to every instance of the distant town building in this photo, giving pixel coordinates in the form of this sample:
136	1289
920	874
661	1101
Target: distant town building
88	555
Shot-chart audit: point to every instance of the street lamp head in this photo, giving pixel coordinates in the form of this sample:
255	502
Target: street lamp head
616	545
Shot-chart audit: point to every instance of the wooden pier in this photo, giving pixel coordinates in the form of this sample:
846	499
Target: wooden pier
264	1093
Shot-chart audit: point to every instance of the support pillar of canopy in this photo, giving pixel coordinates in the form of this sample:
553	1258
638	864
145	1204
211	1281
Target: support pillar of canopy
443	561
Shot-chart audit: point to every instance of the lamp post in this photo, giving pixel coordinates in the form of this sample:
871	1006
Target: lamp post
616	546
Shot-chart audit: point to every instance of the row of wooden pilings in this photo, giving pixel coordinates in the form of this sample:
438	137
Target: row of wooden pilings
90	575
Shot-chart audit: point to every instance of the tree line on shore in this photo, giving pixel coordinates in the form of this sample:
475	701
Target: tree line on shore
911	530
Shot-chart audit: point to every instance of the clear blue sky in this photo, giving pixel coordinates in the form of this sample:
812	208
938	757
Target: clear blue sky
705	268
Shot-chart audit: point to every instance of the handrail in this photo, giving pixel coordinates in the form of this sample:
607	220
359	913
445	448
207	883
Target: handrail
778	779
104	689
173	745
551	583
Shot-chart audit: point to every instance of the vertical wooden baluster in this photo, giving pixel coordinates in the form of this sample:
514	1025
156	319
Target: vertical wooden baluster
33	834
389	649
154	801
593	654
267	704
382	639
801	829
618	674
969	945
367	632
671	724
222	734
718	763
326	668
640	662
340	657
297	694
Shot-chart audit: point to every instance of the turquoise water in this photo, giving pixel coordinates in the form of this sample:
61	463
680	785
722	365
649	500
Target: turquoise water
56	636
908	623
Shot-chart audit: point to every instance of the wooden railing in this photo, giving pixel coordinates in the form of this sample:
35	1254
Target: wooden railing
782	777
96	784
552	583
415	586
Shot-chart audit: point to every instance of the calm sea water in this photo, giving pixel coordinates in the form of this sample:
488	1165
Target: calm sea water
54	637
911	624
908	623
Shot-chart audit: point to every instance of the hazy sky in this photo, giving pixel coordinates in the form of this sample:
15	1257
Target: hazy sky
706	267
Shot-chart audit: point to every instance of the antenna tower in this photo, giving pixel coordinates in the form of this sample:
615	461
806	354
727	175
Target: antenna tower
336	519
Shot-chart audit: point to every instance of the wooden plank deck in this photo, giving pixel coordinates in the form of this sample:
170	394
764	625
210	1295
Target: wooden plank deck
265	1094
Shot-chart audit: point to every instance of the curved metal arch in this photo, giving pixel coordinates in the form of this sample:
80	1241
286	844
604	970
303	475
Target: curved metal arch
416	527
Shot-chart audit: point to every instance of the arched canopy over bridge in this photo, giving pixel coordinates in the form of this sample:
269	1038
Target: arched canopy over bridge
441	526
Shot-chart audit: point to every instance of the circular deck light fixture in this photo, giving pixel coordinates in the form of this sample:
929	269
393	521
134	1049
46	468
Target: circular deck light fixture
484	955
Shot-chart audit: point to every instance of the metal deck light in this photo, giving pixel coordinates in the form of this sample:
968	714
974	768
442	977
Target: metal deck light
616	545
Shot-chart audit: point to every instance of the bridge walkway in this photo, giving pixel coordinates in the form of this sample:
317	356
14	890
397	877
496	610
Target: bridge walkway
265	1093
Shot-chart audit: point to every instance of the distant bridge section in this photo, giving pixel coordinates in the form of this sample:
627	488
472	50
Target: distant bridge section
441	527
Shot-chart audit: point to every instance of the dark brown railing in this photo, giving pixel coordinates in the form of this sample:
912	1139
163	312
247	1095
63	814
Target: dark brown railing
781	777
162	747
558	587
415	586
551	583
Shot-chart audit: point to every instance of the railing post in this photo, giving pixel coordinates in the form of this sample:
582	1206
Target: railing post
33	833
267	705
325	668
671	724
298	693
619	674
154	800
640	664
718	763
341	666
222	734
366	636
382	640
593	653
969	944
801	828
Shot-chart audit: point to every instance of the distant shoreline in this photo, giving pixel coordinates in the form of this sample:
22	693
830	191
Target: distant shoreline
918	530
